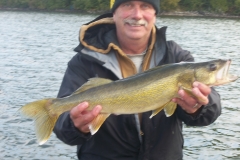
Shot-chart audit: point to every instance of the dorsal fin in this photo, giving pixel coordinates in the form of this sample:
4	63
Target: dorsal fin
92	82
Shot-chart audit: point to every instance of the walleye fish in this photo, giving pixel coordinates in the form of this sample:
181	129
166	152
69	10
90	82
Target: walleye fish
150	90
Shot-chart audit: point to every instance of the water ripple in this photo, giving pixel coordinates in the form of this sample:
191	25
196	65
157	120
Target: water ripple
35	48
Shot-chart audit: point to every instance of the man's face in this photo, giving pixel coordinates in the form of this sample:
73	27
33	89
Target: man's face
134	19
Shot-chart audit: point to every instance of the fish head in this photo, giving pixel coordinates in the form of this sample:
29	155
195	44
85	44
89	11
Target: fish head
214	73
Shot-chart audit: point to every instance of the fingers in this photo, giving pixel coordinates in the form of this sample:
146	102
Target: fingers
200	97
204	89
186	102
191	104
78	109
81	117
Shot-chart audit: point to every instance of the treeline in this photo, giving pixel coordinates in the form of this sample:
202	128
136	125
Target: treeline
218	6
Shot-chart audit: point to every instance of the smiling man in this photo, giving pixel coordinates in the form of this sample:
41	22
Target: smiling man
115	46
134	21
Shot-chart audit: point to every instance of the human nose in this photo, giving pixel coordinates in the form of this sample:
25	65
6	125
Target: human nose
136	13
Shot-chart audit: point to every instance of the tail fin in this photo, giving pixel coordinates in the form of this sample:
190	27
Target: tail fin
44	120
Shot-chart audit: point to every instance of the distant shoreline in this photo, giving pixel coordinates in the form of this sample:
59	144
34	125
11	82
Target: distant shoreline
202	14
198	14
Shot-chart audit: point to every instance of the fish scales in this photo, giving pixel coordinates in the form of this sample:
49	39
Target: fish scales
150	90
139	94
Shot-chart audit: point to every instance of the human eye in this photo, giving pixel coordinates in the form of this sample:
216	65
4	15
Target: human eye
146	6
127	4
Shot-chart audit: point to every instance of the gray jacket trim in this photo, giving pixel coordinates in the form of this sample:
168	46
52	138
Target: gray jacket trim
110	60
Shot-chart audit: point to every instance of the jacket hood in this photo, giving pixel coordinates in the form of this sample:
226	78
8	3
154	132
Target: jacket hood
98	38
100	34
95	35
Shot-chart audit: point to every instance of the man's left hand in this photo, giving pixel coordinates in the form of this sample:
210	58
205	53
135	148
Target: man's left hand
191	104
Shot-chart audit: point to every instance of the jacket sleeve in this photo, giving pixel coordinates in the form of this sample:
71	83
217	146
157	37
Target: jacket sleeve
206	114
74	77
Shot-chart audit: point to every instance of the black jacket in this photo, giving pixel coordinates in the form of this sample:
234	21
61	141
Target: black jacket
118	138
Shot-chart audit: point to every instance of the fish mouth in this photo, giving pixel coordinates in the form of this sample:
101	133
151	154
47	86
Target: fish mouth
222	75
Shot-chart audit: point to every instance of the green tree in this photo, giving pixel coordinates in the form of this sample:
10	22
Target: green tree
104	4
168	5
55	4
236	7
206	5
79	4
192	4
223	6
85	4
237	4
10	3
219	5
91	4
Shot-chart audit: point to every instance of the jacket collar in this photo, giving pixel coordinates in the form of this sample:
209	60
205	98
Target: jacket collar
98	40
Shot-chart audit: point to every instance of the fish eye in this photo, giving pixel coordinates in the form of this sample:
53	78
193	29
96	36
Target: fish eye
212	67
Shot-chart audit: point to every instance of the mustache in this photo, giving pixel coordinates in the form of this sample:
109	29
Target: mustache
135	22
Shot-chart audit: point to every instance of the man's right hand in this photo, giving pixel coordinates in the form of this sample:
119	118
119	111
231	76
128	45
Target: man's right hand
81	117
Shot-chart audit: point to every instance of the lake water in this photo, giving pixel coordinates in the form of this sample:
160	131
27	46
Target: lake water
35	48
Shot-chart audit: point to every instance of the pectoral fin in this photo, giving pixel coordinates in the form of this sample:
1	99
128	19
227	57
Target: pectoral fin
170	108
156	111
97	122
188	91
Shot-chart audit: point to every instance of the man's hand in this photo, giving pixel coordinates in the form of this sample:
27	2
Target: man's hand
82	117
191	104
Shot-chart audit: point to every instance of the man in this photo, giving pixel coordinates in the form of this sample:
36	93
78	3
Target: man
116	46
